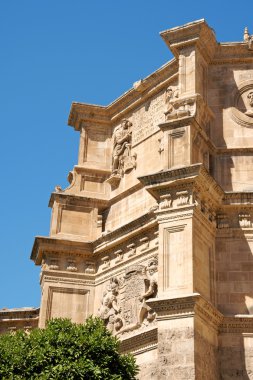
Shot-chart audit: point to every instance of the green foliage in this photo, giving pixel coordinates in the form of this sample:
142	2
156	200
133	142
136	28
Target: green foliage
64	350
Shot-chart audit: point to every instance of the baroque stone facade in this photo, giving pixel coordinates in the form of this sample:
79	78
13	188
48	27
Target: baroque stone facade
154	233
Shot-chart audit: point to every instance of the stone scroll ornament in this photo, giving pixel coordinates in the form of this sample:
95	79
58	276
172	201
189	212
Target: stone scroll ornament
122	159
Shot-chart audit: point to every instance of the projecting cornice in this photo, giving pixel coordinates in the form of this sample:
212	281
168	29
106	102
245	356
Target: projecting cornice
82	114
185	187
69	199
232	52
48	244
185	174
196	33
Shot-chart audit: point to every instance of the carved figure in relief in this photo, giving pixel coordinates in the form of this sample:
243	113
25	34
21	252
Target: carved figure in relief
122	160
152	285
109	310
121	146
249	112
169	96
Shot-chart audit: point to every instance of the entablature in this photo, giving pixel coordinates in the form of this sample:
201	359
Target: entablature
51	244
108	115
78	200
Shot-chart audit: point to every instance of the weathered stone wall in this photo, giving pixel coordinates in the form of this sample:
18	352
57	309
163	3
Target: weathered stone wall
236	356
176	350
234	265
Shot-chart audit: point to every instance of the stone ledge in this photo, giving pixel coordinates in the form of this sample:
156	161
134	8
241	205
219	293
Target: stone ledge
141	341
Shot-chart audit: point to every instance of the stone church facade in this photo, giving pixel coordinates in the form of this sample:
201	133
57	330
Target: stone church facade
154	232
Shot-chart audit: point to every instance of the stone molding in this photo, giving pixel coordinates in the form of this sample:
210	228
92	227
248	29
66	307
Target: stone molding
236	324
140	342
232	52
197	306
78	200
19	313
116	270
125	232
187	306
49	244
196	33
194	178
82	114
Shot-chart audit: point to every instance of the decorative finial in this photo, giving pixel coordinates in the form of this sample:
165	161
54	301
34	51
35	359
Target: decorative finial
246	34
248	38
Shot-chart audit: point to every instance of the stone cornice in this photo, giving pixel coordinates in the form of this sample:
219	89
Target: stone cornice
124	232
237	324
78	200
82	114
57	277
232	52
196	33
243	198
19	313
194	305
169	175
186	306
141	341
47	244
103	172
235	150
192	174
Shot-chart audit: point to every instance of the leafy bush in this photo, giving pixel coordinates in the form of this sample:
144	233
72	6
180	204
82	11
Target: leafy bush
64	350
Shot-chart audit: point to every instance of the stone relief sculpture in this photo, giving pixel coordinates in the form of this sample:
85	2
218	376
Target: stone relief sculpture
122	160
249	112
170	94
178	107
123	305
241	110
109	310
147	315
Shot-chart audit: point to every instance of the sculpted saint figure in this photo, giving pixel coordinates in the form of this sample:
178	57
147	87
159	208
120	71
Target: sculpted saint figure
121	145
109	308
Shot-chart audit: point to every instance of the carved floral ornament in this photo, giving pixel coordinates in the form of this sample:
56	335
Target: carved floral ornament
242	100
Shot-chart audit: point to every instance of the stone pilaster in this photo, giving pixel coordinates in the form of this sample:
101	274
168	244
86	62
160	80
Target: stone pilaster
187	337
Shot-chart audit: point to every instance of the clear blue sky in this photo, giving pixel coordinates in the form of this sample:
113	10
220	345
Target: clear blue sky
55	52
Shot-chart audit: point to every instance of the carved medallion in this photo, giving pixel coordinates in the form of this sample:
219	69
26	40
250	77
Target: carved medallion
242	98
